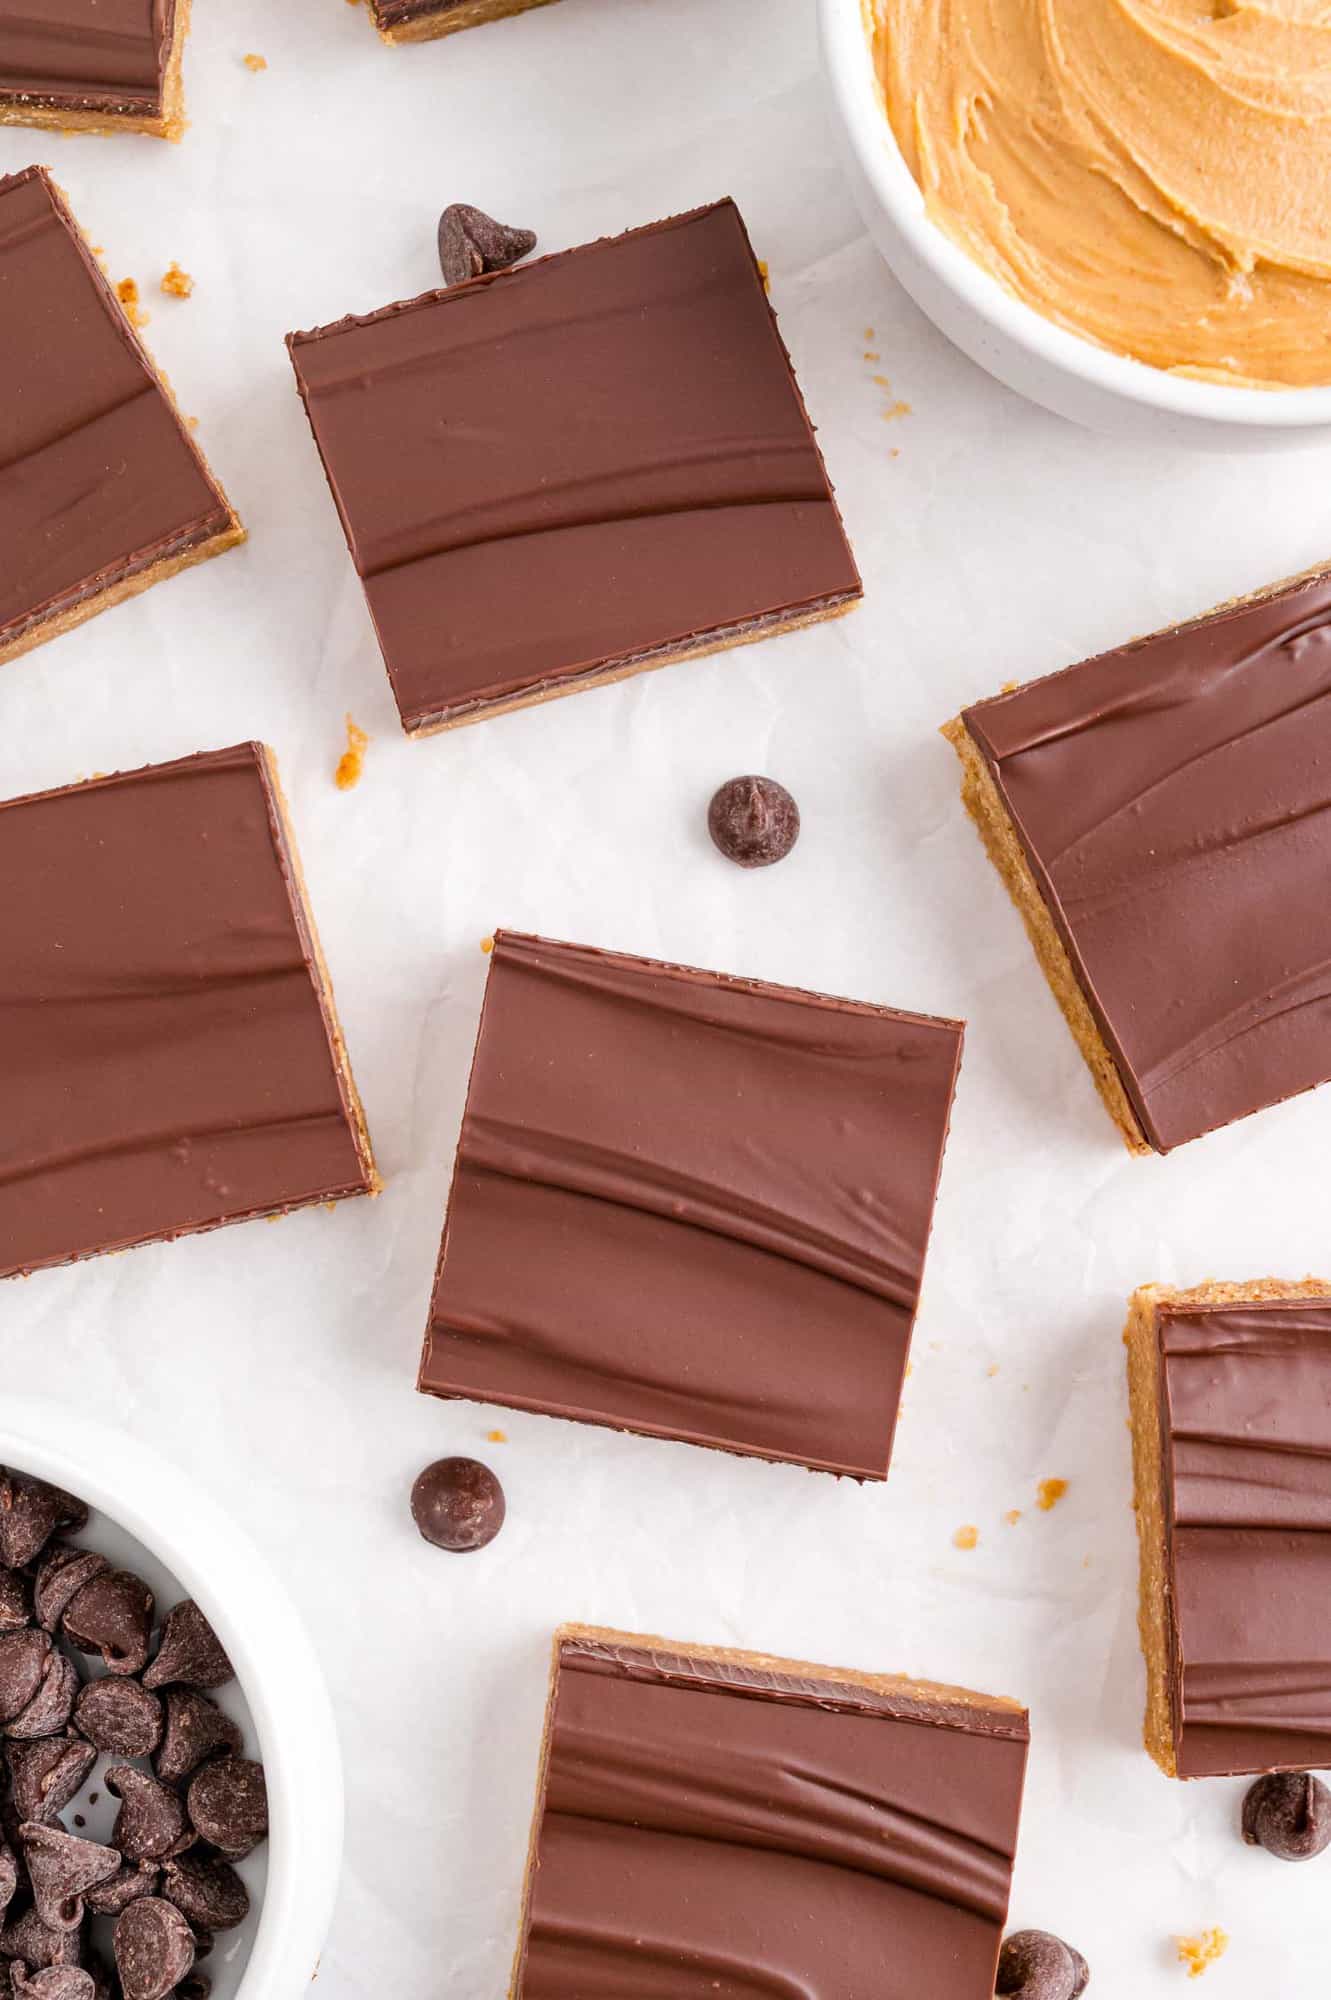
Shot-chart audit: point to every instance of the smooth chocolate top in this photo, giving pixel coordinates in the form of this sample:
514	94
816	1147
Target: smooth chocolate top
1174	802
706	1834
582	461
1246	1429
87	55
691	1205
98	477
165	1062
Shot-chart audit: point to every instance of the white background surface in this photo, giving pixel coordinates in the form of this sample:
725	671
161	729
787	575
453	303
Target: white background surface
277	1362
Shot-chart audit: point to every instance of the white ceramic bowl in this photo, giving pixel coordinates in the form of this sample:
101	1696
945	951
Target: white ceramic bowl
1066	374
149	1518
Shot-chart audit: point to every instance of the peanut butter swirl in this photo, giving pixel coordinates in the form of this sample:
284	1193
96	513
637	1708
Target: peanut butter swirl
1151	174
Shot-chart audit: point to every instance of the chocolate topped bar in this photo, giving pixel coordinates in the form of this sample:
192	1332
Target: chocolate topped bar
721	1823
1232	1428
102	490
169	1054
1162	816
111	63
566	472
690	1205
426	20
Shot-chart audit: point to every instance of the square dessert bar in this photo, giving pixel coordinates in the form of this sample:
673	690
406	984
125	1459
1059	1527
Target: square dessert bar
720	1822
102	490
1231	1422
169	1054
100	65
426	20
1161	816
691	1206
570	471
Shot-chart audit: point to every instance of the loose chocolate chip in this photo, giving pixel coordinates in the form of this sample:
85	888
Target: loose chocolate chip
58	1982
15	1600
151	1822
60	1867
195	1727
24	1660
30	1513
753	821
190	1653
112	1615
48	1713
61	1576
154	1949
458	1504
1034	1965
46	1774
120	1717
228	1805
209	1893
108	1899
470	242
38	1944
1289	1814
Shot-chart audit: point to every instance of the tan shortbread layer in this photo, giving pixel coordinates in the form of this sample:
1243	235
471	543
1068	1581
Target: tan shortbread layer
1141	1337
169	123
884	1684
451	20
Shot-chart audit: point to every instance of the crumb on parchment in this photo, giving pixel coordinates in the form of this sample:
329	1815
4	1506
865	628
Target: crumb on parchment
1198	1953
487	945
127	292
177	284
492	1437
351	764
764	272
966	1538
1048	1494
1012	1516
255	63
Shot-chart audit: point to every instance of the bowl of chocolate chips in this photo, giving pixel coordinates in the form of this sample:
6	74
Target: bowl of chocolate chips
170	1779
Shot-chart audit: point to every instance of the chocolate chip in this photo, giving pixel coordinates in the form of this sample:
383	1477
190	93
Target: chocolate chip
209	1893
60	1867
1034	1965
37	1944
458	1504
154	1949
61	1575
228	1805
195	1727
190	1653
120	1717
15	1600
48	1713
24	1660
30	1513
113	1615
46	1774
109	1898
58	1982
753	821
151	1822
470	242
1289	1814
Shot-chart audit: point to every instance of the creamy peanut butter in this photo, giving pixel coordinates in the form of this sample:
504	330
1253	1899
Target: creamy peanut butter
1152	174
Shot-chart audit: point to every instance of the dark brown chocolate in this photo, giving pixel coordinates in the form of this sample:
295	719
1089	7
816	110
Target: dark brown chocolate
1173	801
691	1205
103	57
167	1053
1246	1439
100	482
710	1825
562	472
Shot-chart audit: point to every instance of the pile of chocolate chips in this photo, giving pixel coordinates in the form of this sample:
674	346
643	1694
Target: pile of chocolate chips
86	1672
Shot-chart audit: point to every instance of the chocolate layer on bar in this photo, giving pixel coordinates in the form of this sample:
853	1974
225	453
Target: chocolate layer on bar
1173	803
1245	1426
169	1055
574	469
691	1205
423	20
107	58
101	487
721	1823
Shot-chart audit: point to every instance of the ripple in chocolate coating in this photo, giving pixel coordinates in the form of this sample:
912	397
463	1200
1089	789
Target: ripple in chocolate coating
458	1504
1035	1965
1289	1814
754	821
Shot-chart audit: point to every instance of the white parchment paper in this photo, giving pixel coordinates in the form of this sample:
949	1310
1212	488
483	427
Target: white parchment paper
277	1362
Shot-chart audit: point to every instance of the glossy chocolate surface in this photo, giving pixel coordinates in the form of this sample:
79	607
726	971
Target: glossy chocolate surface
165	1062
712	1830
691	1205
579	463
86	55
1174	802
1246	1428
98	478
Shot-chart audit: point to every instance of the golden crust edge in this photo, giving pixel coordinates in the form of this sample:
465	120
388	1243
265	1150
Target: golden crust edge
169	124
451	21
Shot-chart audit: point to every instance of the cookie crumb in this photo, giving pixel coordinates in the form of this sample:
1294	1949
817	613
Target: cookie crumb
487	945
764	271
177	284
897	410
491	1437
351	764
868	333
127	292
1012	1516
870	355
966	1538
1198	1953
255	63
1049	1492
992	1370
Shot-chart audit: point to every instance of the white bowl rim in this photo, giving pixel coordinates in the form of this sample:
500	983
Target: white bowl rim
276	1665
850	70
